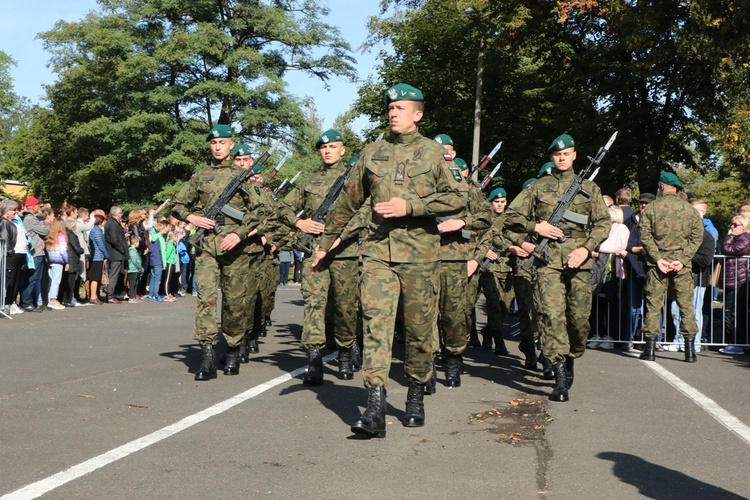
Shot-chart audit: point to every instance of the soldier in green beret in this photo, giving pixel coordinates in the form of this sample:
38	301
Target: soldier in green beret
447	143
226	256
562	289
335	278
408	182
671	233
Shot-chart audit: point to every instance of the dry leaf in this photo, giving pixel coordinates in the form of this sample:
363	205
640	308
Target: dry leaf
137	406
86	396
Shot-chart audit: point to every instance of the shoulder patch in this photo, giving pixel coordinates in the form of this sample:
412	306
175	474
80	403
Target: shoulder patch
456	173
448	157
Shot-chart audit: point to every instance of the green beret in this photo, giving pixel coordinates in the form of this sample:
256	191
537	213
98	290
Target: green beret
545	170
461	163
256	169
219	131
403	92
241	150
352	161
329	136
670	179
497	193
444	139
528	182
562	142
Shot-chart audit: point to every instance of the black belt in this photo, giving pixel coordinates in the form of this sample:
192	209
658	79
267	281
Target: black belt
575	234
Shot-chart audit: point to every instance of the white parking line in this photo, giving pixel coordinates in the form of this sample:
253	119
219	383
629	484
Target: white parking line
39	488
709	405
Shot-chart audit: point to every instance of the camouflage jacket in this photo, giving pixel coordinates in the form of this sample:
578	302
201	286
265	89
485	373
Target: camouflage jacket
204	188
495	237
307	197
671	229
412	167
541	199
455	246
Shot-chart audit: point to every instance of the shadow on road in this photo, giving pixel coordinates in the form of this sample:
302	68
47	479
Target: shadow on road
655	481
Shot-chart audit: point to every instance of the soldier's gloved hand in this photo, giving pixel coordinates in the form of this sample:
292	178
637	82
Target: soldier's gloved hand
317	259
229	242
309	226
451	225
577	257
395	207
201	222
547	230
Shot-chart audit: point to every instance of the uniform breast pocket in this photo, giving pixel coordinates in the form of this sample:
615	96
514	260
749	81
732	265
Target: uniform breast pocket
377	174
421	181
546	204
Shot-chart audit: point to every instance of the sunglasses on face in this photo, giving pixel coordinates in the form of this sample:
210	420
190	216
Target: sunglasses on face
736	224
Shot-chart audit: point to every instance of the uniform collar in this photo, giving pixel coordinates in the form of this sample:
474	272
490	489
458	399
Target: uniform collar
407	138
559	174
226	162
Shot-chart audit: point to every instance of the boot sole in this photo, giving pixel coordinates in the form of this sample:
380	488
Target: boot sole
312	382
209	377
412	423
346	376
559	399
367	432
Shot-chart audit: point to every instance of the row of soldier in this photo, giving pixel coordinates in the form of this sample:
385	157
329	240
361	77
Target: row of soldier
422	240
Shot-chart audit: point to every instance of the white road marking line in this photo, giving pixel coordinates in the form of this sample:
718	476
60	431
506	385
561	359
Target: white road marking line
709	405
39	488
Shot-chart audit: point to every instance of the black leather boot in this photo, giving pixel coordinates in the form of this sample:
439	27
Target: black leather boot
252	345
569	369
690	356
232	365
207	371
486	339
372	421
414	405
649	352
453	370
500	348
345	363
314	375
560	392
474	337
244	347
547	372
430	387
531	361
356	357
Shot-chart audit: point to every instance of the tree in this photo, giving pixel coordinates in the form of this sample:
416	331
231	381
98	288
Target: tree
141	81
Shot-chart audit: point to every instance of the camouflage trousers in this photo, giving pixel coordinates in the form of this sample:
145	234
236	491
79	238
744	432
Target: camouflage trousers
230	274
453	320
523	289
472	296
257	274
336	280
499	294
657	284
383	283
564	301
270	281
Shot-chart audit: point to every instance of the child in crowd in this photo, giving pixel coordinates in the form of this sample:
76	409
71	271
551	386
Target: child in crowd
157	260
184	255
135	268
169	271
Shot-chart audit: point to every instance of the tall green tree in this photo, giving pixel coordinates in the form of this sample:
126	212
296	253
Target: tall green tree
141	81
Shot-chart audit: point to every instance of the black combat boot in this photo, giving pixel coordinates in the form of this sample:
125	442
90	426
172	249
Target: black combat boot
252	345
486	339
232	365
314	375
547	372
356	357
414	405
345	363
500	348
244	348
372	421
649	351
207	371
430	387
453	370
474	337
569	371
560	392
531	361
690	356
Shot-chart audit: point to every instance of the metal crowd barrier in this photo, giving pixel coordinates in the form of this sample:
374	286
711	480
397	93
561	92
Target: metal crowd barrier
3	276
724	311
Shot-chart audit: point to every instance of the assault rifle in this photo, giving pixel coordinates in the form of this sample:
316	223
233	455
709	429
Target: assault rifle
486	262
304	242
276	169
561	211
284	187
219	209
486	181
483	162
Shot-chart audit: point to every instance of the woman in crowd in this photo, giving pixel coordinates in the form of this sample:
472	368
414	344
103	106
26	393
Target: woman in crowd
736	243
14	235
57	253
99	254
70	282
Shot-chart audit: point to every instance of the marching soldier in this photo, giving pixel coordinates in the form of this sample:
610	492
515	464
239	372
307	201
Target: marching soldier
226	256
409	182
562	290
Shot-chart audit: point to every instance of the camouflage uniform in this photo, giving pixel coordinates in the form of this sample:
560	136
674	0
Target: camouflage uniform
671	229
496	284
401	256
337	277
215	268
455	250
563	294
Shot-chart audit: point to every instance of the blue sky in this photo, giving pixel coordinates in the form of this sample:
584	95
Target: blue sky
20	24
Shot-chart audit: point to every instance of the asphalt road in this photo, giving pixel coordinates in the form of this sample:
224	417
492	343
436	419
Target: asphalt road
100	402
